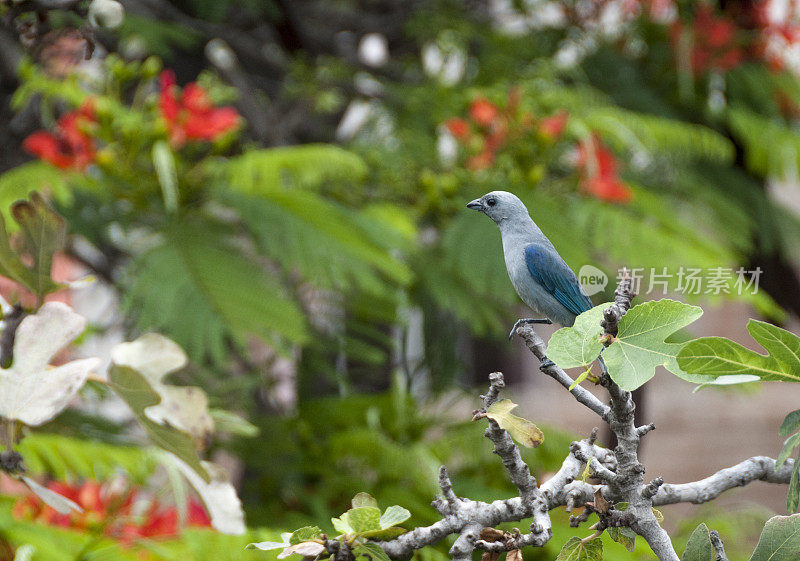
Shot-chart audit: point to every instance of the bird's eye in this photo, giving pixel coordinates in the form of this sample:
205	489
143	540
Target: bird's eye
491	202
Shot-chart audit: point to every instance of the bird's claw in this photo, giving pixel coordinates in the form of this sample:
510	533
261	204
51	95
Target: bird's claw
546	363
522	321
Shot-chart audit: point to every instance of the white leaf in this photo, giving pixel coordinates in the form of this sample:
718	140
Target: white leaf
59	502
267	546
183	407
219	496
30	390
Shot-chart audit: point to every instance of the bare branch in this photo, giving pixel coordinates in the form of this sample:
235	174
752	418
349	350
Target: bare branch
651	488
718	547
465	543
623	297
753	469
537	347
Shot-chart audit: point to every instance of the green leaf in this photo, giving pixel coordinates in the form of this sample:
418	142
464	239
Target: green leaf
342	525
579	345
304	534
393	516
788	447
364	519
231	423
640	344
577	550
371	550
790	423
521	430
44	233
579	379
780	540
384	535
11	265
136	391
164	164
257	171
623	536
717	356
699	547
364	499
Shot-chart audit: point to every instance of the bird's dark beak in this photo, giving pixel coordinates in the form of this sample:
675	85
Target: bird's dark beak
475	205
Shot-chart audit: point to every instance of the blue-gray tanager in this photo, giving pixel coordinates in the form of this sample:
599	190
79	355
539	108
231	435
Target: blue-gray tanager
539	275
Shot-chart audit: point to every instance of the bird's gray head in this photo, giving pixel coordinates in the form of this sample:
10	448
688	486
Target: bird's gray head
500	206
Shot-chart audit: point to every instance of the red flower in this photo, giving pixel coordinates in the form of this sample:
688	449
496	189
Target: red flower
713	41
193	116
459	128
599	172
111	511
483	112
159	522
609	189
553	127
482	161
69	146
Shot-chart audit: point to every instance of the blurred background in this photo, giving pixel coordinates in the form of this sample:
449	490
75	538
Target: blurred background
279	187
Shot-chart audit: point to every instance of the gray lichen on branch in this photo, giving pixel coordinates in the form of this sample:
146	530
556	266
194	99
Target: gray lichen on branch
620	472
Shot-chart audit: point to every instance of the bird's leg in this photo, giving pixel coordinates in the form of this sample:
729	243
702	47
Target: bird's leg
527	320
546	363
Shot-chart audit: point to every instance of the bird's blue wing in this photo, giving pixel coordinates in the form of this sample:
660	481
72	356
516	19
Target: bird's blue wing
554	275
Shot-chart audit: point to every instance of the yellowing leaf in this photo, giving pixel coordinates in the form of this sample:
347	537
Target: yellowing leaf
521	430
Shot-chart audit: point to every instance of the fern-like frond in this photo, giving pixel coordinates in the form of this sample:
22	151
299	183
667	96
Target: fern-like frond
330	245
308	166
214	294
67	459
628	130
771	147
